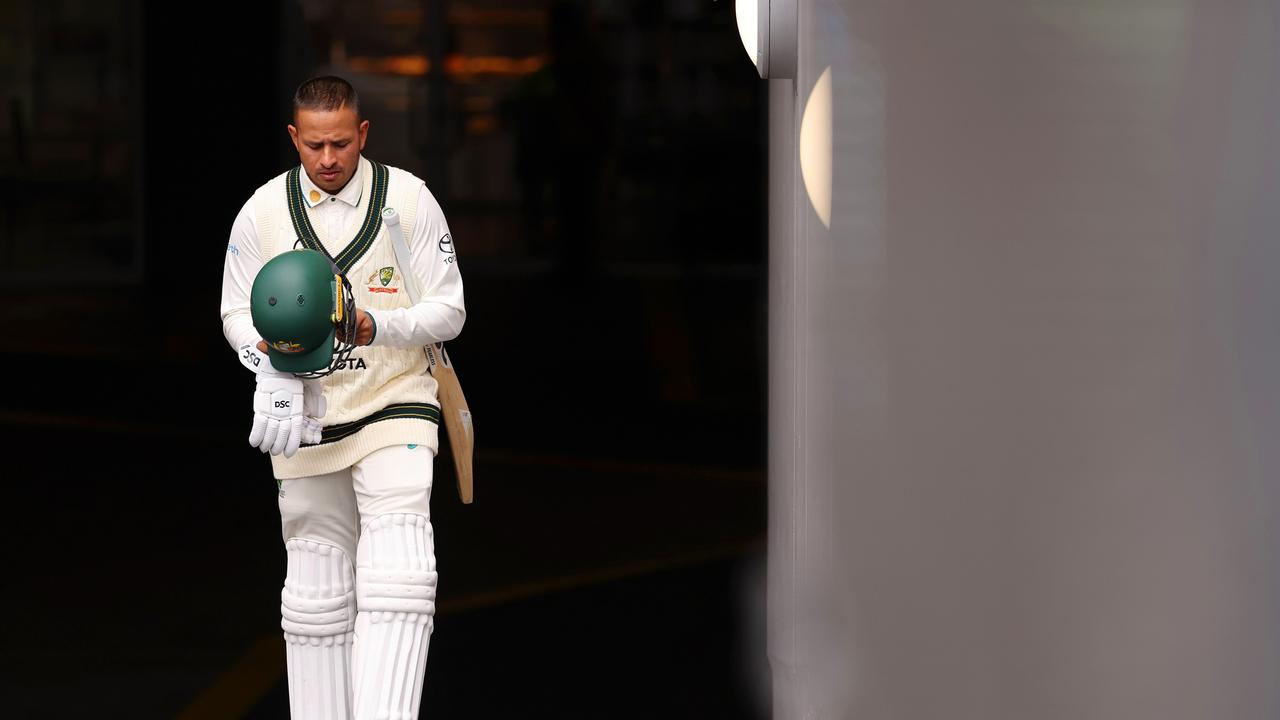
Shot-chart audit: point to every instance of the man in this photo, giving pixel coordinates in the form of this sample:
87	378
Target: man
359	590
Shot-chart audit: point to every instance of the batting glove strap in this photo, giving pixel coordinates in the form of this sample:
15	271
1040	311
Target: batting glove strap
257	361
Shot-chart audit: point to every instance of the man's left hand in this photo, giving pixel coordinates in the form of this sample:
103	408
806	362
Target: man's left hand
364	329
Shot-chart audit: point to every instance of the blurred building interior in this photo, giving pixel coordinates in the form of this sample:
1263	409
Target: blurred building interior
601	165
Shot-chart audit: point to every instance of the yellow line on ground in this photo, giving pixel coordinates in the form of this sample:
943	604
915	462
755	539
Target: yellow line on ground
243	685
475	601
247	681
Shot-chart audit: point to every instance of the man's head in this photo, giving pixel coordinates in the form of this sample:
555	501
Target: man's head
327	131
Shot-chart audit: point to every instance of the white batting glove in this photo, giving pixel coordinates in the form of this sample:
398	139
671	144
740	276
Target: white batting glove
277	414
313	408
285	408
311	429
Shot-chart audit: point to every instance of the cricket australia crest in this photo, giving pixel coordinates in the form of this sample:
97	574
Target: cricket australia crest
384	276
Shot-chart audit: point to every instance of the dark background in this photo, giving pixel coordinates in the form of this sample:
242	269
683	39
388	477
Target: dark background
601	166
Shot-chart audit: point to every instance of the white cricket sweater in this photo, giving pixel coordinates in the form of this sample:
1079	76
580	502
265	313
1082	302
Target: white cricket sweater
385	394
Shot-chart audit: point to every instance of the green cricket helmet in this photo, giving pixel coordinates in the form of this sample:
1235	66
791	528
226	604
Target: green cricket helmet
299	299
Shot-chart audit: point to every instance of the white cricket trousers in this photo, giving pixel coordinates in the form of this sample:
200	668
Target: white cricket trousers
358	602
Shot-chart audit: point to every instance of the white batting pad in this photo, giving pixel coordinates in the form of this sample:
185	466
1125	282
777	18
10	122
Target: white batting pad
396	598
317	614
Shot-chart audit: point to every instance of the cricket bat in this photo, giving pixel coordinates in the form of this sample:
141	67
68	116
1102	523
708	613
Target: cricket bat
457	416
453	404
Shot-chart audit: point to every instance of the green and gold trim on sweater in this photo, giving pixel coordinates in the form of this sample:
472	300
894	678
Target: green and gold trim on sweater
369	229
421	411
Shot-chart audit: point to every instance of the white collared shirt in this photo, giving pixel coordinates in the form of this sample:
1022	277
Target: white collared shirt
438	315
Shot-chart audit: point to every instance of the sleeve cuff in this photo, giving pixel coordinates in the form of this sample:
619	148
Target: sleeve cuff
373	318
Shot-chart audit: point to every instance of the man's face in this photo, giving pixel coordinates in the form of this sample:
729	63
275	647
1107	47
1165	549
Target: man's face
329	144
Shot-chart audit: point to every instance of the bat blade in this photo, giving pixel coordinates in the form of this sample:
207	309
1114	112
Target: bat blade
457	418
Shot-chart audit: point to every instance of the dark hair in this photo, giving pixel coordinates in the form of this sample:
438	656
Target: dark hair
325	94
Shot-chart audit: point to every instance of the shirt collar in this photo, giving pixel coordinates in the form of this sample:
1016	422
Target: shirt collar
349	194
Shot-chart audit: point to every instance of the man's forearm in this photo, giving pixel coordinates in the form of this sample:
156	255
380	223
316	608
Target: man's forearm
237	327
422	324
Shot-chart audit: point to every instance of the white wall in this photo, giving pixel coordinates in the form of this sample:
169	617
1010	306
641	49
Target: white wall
1024	422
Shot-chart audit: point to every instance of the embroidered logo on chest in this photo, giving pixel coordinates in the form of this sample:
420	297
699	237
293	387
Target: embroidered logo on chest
385	276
